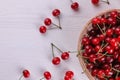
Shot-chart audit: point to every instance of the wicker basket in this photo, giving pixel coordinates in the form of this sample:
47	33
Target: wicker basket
86	27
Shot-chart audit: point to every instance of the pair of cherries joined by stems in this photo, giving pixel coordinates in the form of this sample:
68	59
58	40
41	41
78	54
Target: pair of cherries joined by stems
26	74
64	55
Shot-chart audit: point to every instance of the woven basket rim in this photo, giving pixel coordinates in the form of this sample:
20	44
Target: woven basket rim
90	77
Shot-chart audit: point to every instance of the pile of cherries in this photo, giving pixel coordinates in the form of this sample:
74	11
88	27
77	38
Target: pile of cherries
101	46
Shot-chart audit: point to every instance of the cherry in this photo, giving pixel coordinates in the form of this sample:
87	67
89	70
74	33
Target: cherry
90	65
109	32
75	6
92	58
85	41
94	72
56	12
103	20
95	41
114	14
96	21
47	21
111	21
67	78
117	31
109	49
97	48
114	42
65	55
70	74
47	75
42	29
101	74
26	73
108	72
56	60
95	2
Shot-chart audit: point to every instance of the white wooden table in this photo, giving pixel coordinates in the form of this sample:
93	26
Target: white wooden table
23	47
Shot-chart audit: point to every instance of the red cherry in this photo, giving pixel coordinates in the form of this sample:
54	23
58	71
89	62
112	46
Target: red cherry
114	42
108	72
75	6
114	14
67	78
109	49
65	55
109	32
97	48
103	20
92	58
101	74
85	41
42	29
56	60
95	2
70	74
95	41
111	21
47	21
47	75
96	21
56	12
26	73
94	72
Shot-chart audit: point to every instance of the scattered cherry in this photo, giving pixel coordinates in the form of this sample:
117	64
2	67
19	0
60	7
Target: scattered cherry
96	2
26	73
56	60
56	12
75	6
47	21
42	29
47	75
65	55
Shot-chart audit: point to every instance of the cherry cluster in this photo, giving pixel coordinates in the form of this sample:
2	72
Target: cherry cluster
101	46
48	22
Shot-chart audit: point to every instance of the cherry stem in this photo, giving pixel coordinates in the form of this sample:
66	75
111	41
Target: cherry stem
116	70
106	2
21	77
118	17
73	51
56	48
102	55
100	29
52	50
57	26
102	47
59	22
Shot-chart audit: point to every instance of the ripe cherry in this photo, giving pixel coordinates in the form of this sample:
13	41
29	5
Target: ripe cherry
85	41
47	21
67	77
70	74
95	41
56	12
111	21
42	29
95	2
47	75
56	60
26	73
75	6
65	55
96	21
109	32
101	73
